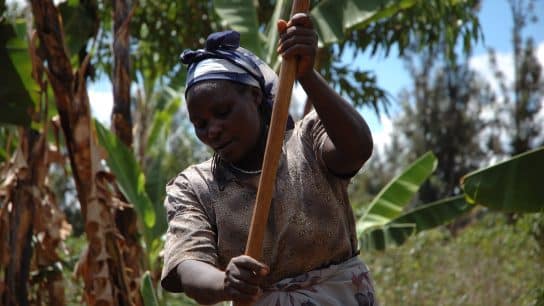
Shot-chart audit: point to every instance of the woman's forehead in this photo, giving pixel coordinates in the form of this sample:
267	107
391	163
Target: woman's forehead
209	95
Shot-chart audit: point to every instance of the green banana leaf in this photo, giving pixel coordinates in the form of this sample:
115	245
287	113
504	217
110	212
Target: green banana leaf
162	120
392	199
424	217
515	185
18	92
241	16
80	21
148	291
130	178
281	10
333	18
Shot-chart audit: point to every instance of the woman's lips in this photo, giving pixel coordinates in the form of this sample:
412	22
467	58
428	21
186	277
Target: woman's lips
222	147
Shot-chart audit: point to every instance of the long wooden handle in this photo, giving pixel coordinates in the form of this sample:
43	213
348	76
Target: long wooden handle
280	113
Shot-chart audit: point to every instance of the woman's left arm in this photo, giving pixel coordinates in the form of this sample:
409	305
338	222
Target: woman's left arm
349	143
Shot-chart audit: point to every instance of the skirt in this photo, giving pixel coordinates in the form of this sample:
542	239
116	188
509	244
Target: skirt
345	284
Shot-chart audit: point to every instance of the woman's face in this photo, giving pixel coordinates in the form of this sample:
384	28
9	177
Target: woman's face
226	118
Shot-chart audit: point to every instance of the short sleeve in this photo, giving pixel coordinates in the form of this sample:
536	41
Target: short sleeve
190	233
313	135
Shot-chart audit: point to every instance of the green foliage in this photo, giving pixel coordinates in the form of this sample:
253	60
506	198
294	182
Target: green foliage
391	200
425	217
491	262
514	185
18	92
127	171
80	22
241	15
360	25
386	221
160	31
334	18
421	24
131	182
148	291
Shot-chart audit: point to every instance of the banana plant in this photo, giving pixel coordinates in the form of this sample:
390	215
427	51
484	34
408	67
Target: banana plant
514	185
385	221
332	20
510	186
18	92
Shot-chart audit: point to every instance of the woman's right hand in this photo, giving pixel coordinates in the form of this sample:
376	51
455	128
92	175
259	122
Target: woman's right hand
243	278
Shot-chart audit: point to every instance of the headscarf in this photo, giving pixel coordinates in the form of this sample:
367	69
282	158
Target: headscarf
224	59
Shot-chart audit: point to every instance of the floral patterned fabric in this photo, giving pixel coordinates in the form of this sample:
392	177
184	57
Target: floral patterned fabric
346	284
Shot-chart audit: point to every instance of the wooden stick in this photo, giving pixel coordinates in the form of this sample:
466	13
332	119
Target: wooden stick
280	113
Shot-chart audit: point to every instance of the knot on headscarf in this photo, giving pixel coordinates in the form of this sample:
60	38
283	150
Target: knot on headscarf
228	40
224	59
215	43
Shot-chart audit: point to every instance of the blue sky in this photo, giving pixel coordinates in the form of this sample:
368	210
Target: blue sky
496	23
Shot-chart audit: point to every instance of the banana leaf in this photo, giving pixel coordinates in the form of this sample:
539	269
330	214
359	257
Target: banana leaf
148	291
514	185
391	200
424	217
18	92
129	176
241	16
333	18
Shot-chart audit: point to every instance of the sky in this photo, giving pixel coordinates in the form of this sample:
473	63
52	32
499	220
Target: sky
496	23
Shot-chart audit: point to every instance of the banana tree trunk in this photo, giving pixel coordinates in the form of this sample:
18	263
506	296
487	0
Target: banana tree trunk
18	211
102	265
121	124
30	210
121	119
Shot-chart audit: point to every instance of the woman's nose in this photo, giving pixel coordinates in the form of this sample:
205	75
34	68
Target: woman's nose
214	130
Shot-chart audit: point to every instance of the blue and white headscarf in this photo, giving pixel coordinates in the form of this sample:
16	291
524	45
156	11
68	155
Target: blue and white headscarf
224	59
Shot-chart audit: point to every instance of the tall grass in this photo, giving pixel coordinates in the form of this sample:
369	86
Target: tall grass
491	262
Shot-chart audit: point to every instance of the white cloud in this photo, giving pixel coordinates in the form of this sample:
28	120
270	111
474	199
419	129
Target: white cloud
24	2
540	53
382	137
505	64
101	105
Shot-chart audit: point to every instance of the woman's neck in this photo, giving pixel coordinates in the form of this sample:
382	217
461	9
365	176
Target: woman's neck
253	161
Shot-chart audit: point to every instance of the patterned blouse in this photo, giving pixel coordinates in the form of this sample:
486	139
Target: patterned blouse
311	224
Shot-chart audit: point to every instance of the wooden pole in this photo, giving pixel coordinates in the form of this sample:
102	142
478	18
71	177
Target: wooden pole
280	113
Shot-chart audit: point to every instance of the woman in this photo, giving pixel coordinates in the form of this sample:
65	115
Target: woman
310	246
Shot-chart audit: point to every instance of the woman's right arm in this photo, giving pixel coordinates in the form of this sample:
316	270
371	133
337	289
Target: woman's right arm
208	285
202	281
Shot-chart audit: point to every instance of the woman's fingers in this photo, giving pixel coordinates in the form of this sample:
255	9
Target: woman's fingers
282	25
292	42
300	19
243	277
251	266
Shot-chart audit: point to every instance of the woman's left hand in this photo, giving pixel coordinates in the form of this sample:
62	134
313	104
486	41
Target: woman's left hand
298	38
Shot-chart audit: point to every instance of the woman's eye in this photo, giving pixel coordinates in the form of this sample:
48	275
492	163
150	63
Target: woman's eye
222	113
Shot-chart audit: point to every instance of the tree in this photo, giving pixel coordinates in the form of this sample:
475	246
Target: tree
521	100
441	113
355	26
